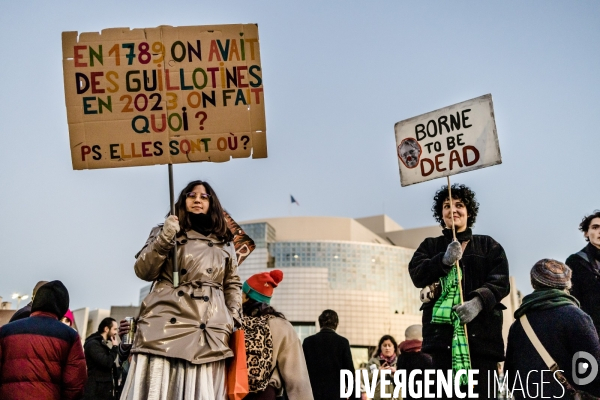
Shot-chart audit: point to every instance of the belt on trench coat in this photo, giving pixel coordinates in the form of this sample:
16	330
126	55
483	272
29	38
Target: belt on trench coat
197	286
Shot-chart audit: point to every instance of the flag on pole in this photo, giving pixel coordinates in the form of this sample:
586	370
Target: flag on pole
294	200
444	314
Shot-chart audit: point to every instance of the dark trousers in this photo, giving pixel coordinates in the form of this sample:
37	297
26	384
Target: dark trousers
268	394
485	377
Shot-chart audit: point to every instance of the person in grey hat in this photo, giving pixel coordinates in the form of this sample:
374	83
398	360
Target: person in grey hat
565	331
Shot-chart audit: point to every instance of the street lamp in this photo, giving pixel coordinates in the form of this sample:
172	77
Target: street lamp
19	297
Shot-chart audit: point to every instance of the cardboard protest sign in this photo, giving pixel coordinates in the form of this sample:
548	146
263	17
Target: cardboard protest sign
448	141
164	95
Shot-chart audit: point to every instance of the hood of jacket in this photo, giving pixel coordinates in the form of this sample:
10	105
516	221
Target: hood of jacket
53	297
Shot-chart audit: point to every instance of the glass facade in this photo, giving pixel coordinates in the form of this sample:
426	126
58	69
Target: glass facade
304	329
355	266
367	284
262	233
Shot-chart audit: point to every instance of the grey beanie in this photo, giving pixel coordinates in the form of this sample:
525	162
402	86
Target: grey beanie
551	274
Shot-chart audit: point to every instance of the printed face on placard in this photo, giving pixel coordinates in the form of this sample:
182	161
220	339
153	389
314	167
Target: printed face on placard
197	201
409	152
458	212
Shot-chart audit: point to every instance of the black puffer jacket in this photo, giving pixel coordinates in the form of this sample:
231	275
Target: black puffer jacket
100	362
485	274
586	282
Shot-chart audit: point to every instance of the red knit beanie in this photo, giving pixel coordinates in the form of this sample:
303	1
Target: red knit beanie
260	286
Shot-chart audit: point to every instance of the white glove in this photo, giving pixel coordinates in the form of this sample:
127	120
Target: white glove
453	253
170	228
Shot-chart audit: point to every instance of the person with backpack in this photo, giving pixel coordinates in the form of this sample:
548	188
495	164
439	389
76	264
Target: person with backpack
550	328
273	350
586	269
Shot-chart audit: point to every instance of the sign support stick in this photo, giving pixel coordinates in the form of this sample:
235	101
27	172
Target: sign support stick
459	274
172	198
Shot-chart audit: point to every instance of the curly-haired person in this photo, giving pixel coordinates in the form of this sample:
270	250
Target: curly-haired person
586	269
484	284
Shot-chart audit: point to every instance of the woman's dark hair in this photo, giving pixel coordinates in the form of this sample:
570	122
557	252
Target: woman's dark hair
459	192
383	339
587	220
105	323
253	308
215	211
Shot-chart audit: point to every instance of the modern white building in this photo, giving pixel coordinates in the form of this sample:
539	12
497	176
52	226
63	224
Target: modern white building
357	267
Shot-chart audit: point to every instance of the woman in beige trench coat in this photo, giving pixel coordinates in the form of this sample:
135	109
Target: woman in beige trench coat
182	336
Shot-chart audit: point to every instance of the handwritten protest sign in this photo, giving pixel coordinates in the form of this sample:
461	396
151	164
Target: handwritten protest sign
164	95
448	141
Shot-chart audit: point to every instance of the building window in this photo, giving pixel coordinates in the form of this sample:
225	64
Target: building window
304	329
360	356
271	262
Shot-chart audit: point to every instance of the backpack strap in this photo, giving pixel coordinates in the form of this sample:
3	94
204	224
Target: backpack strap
539	347
548	360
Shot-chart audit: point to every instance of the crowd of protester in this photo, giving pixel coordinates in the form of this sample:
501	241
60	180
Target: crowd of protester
180	347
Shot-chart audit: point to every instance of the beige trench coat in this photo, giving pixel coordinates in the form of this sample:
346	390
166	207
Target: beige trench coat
193	321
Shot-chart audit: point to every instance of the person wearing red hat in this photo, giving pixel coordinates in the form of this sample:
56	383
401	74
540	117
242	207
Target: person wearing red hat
260	287
273	350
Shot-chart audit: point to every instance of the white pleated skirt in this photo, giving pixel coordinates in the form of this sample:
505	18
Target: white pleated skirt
153	377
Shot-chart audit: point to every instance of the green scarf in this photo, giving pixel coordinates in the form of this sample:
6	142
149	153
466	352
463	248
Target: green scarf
545	299
443	314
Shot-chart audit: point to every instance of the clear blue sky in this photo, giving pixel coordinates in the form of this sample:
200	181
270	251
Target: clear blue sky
337	76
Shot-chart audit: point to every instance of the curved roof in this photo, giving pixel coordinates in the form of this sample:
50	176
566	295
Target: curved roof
320	228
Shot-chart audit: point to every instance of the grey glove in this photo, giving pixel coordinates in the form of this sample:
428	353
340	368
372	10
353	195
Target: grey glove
170	228
468	310
453	253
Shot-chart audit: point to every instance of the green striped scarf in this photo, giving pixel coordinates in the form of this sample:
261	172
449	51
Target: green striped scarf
443	314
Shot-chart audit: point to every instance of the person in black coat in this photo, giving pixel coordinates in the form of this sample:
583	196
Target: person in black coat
25	311
100	359
411	357
586	269
561	327
327	353
484	284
